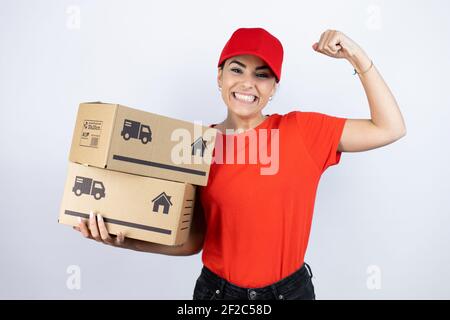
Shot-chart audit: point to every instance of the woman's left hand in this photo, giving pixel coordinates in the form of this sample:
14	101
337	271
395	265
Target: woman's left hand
337	45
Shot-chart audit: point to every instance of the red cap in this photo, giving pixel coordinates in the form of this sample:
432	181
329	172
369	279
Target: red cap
258	42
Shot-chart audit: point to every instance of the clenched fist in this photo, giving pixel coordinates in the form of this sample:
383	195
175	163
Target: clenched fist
337	45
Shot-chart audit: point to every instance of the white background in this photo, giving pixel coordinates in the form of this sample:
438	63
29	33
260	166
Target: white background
387	208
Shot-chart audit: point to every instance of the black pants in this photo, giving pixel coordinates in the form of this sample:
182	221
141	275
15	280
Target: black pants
297	286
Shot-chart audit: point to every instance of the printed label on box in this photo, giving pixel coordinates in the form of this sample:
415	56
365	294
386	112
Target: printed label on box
90	135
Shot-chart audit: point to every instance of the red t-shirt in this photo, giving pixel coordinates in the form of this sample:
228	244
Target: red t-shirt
258	225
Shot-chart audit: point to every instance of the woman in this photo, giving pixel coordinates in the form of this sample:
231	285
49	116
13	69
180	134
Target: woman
253	224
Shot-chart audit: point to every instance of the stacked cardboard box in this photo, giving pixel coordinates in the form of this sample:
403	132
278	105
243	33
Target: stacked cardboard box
138	170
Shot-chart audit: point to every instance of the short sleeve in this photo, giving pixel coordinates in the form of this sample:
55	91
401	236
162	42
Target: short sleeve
321	135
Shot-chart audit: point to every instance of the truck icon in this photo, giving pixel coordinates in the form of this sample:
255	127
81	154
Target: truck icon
88	186
136	130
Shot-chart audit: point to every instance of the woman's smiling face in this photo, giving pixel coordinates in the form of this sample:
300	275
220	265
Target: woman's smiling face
247	83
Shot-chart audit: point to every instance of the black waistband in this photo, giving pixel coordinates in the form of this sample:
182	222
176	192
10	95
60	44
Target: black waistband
301	273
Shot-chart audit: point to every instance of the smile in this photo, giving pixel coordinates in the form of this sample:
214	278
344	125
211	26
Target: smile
246	98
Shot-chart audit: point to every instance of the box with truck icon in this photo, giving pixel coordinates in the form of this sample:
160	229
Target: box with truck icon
119	138
144	208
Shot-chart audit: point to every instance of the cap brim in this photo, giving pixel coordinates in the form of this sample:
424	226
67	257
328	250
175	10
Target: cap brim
237	53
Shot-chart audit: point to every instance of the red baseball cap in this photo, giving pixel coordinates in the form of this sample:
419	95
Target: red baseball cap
258	42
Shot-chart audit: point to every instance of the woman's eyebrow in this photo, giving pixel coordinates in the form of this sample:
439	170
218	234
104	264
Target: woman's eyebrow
244	66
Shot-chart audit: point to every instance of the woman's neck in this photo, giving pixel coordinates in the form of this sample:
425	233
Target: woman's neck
237	123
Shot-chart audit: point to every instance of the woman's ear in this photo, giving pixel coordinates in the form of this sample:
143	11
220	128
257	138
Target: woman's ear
274	89
219	77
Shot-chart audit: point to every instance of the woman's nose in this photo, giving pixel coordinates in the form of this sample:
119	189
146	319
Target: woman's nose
248	81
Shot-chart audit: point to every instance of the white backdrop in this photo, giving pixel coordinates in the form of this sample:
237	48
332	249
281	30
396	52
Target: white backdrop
381	224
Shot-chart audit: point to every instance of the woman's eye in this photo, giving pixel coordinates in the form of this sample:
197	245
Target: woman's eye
259	75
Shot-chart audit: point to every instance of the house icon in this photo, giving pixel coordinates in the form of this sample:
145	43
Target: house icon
198	145
162	200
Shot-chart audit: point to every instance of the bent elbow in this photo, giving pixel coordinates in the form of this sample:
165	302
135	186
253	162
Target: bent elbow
402	134
190	250
403	131
398	135
196	250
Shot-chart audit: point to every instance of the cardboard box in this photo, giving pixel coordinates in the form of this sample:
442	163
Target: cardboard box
144	208
124	139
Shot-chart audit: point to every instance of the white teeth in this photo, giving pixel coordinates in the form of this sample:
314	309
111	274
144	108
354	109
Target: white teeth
244	97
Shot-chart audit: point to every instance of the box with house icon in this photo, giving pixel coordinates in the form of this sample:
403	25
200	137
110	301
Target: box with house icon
120	138
144	208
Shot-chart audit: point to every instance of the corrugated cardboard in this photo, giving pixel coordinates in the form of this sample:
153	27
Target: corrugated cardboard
124	139
144	208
